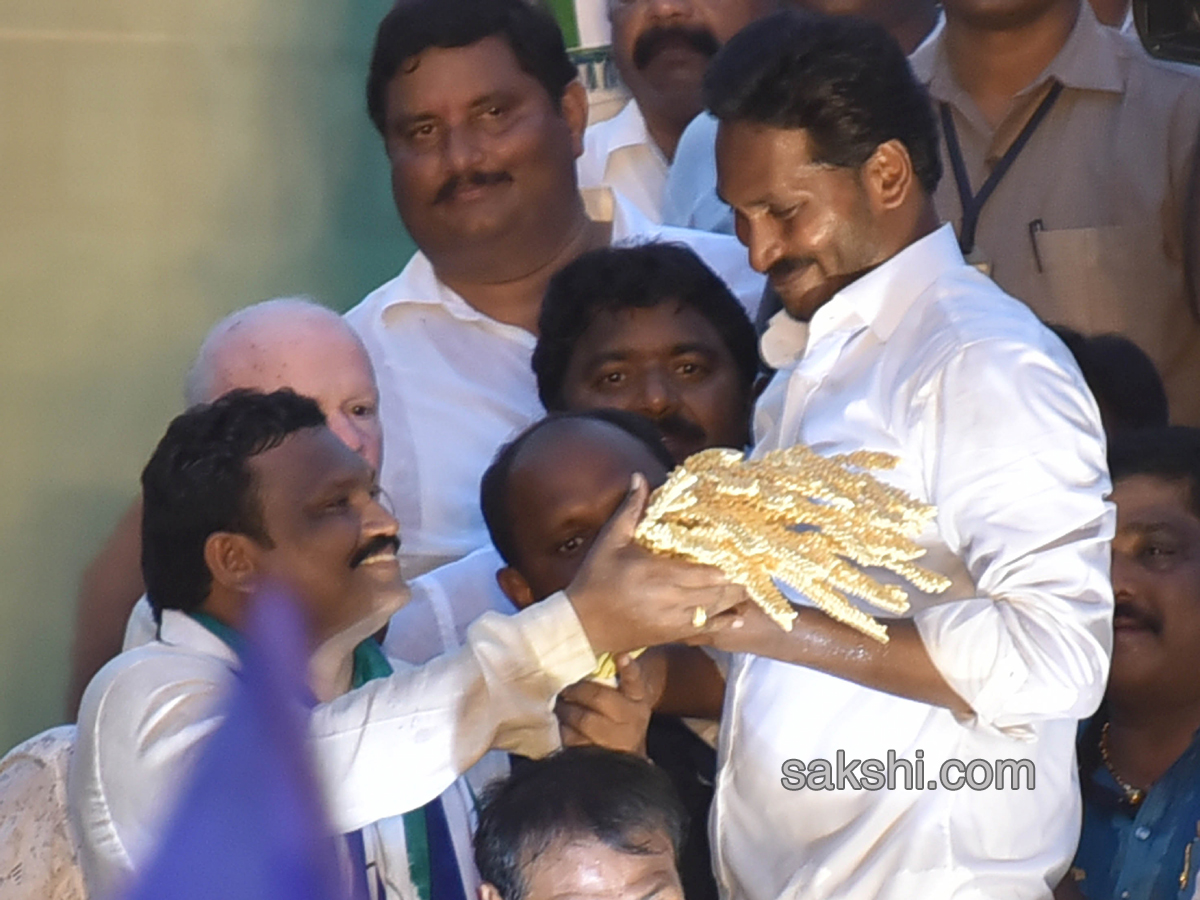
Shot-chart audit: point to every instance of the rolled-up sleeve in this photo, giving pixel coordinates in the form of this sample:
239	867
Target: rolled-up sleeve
1020	483
396	743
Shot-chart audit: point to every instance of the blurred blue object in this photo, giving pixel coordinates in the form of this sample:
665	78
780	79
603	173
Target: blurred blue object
251	825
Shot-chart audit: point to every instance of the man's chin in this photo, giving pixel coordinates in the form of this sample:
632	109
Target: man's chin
802	299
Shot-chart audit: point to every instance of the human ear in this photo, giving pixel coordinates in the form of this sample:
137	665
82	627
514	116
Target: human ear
574	109
515	587
232	561
888	176
487	891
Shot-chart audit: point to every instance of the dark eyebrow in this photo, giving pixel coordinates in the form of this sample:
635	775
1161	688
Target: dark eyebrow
692	347
347	481
493	98
663	884
607	356
1144	528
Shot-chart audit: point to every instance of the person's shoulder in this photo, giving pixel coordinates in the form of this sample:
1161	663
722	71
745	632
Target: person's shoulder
599	140
724	248
156	675
697	142
968	317
1153	81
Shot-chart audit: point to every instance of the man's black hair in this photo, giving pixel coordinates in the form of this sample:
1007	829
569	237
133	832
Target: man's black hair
617	798
493	489
199	482
845	81
642	276
1172	454
414	26
1122	377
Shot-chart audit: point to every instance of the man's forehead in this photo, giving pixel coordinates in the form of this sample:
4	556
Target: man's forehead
663	325
578	446
461	75
306	462
1144	497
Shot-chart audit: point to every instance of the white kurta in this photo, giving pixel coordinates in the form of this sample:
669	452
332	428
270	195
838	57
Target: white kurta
381	750
927	359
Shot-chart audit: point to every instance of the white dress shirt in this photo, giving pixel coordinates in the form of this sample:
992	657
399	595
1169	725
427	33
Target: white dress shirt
381	750
926	359
454	385
620	154
690	195
444	604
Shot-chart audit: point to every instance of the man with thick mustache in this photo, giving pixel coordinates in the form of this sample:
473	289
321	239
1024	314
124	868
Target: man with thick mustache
690	197
482	119
255	490
1139	756
661	48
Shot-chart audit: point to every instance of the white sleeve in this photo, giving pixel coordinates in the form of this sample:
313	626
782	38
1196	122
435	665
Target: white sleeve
396	743
445	602
1020	482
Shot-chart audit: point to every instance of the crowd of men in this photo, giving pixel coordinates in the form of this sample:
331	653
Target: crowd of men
964	235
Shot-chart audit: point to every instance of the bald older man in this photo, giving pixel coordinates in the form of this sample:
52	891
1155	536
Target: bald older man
288	342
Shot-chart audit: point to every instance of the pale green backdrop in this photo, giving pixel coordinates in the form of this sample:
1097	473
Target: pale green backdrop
161	163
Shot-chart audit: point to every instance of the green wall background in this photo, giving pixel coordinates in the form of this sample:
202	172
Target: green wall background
161	164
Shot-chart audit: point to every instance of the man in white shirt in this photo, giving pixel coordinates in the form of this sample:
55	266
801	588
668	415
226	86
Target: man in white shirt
660	48
827	152
286	342
255	489
690	197
482	119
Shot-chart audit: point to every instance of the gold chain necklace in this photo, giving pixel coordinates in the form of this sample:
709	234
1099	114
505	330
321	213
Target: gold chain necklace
1133	795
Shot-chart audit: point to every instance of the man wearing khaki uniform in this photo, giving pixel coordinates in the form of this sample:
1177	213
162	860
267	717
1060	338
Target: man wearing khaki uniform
1074	153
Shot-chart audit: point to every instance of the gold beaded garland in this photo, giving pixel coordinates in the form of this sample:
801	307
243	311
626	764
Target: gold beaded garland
795	515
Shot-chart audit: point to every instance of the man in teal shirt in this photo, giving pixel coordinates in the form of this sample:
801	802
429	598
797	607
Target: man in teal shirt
1140	755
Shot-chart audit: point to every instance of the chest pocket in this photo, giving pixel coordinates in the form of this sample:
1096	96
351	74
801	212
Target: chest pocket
1117	278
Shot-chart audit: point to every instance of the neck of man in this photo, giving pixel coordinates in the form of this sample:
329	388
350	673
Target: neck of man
331	665
910	31
994	61
1111	12
1145	738
512	291
331	670
666	126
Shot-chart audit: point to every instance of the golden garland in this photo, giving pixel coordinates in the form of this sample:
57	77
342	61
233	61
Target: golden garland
807	520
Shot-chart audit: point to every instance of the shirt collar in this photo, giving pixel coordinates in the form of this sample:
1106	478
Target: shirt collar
180	629
878	300
627	129
418	283
1089	60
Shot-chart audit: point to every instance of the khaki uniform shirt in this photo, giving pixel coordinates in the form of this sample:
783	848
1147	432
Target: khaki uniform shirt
1088	225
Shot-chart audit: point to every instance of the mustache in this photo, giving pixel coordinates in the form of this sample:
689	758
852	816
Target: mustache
676	426
375	545
471	179
785	267
1139	616
651	41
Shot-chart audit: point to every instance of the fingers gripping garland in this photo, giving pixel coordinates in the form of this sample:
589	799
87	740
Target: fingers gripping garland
741	516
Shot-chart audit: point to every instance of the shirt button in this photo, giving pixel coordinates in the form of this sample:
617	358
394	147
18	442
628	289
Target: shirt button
1124	895
1141	832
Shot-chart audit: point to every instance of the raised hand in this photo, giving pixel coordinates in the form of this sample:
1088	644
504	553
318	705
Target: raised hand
626	597
590	713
